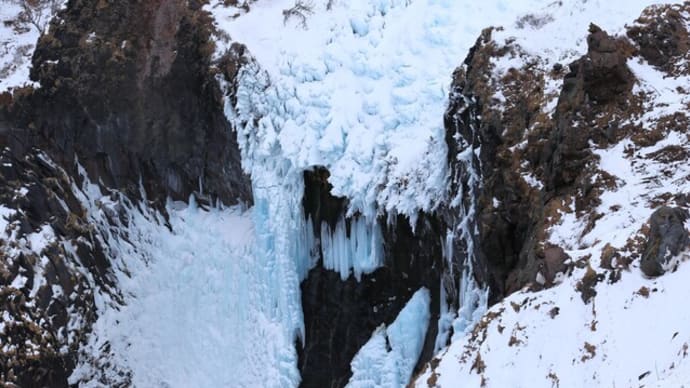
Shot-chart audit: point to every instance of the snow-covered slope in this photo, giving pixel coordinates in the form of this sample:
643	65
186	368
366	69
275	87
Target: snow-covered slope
605	323
192	306
20	28
17	42
634	333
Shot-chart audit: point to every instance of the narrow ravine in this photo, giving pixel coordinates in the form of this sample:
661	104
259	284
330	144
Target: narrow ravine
355	93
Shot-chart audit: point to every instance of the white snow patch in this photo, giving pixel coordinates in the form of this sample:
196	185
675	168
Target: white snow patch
361	90
628	336
17	44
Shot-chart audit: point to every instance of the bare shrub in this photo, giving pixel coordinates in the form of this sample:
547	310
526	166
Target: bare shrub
37	12
300	11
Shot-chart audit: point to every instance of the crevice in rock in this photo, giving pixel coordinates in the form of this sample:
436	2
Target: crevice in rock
341	315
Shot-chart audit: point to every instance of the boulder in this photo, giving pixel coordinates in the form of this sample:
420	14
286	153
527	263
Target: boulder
667	238
605	74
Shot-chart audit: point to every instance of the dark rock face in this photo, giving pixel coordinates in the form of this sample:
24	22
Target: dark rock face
128	88
601	77
604	72
504	204
318	203
340	316
667	238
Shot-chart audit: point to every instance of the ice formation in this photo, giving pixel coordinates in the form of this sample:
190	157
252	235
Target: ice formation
360	250
351	89
201	300
389	357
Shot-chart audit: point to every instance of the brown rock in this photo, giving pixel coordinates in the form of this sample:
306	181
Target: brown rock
661	34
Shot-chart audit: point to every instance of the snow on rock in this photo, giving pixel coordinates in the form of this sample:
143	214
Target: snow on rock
48	271
360	88
357	87
634	333
18	36
389	357
17	42
604	323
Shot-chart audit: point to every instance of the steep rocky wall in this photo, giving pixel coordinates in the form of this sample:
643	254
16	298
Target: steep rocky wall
127	90
53	263
518	137
522	145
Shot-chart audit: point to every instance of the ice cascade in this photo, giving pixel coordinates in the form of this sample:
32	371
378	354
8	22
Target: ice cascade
472	297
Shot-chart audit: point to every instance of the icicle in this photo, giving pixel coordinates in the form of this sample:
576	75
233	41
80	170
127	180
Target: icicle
360	253
472	297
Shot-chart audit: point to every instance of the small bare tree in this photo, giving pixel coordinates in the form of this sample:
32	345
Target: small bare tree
300	10
38	12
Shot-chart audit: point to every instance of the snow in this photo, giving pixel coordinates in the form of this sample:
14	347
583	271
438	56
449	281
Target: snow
19	281
360	90
5	214
17	44
202	302
39	240
632	334
389	357
662	88
16	48
560	33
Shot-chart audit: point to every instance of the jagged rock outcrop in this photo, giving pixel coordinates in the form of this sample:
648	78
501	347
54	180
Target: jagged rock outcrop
661	35
531	161
596	147
667	238
502	212
593	86
53	262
